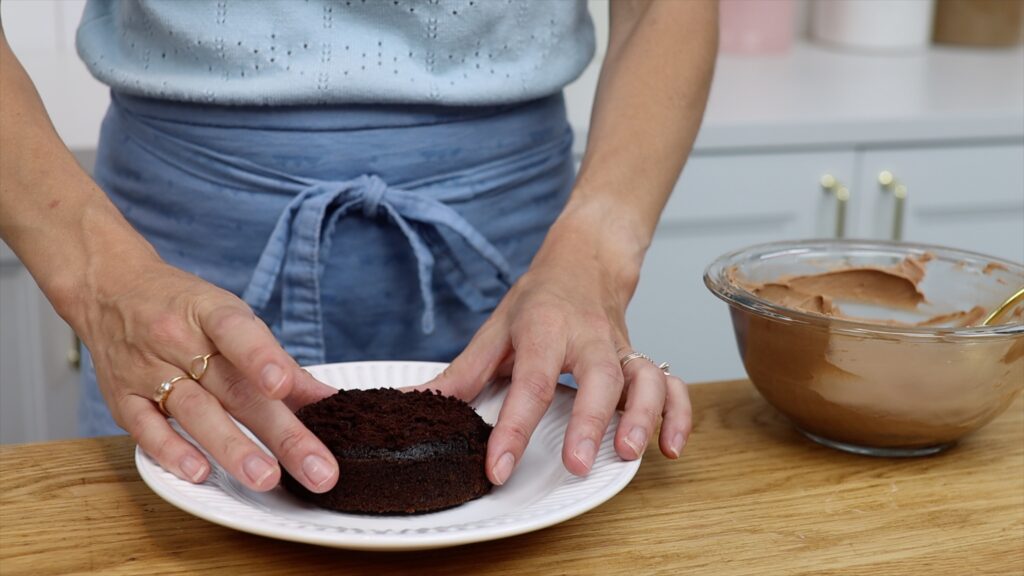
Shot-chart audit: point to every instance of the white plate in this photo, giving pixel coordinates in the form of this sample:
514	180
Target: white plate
539	494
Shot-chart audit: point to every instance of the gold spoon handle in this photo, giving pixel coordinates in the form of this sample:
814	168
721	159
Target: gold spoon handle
1004	307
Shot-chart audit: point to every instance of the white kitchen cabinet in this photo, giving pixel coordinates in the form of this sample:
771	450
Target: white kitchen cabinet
964	196
721	203
38	387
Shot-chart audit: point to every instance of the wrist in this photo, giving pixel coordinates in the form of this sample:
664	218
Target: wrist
113	254
601	232
77	262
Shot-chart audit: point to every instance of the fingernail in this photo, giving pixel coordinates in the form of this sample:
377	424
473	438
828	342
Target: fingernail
503	468
585	452
257	469
192	468
637	440
273	377
317	470
677	444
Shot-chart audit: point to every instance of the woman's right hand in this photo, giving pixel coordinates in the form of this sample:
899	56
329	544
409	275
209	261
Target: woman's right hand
144	321
144	325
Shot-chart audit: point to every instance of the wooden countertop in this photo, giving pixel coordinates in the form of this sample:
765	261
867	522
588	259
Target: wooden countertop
750	496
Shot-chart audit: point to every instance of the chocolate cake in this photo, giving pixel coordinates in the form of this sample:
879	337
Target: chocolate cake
398	452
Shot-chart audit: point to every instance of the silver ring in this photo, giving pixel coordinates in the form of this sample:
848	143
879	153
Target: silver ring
664	366
633	356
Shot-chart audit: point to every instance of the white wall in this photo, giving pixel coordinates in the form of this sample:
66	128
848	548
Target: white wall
42	34
579	96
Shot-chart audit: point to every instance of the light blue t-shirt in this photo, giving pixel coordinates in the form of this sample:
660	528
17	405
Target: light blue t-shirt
280	52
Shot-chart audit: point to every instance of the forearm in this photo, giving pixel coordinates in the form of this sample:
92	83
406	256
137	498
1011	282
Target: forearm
54	217
648	108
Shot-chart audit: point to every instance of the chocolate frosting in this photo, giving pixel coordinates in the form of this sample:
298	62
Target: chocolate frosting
867	390
896	287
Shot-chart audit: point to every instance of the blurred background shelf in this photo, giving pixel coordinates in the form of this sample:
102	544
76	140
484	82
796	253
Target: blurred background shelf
815	96
947	123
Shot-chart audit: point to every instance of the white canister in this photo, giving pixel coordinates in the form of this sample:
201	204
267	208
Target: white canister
873	24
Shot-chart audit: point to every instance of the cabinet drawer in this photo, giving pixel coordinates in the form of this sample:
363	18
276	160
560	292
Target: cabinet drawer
964	197
779	190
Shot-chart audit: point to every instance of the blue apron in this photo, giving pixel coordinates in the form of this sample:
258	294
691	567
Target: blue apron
354	232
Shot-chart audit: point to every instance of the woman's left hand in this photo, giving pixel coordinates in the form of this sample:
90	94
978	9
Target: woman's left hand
567	314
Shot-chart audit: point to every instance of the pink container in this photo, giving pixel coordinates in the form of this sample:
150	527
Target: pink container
756	26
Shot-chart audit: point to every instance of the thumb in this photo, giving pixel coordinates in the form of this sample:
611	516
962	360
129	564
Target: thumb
307	390
467	375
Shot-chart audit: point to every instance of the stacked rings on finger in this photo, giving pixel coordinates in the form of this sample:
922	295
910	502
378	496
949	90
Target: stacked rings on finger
664	366
633	356
198	365
163	392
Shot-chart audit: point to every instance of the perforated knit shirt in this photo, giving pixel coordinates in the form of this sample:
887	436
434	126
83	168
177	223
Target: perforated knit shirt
279	52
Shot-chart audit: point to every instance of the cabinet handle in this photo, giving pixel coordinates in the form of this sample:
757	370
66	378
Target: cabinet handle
889	183
832	186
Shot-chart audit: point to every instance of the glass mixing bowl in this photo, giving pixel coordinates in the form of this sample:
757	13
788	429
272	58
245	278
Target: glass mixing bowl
868	387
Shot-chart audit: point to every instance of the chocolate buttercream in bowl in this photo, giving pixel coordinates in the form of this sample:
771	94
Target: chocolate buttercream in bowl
873	347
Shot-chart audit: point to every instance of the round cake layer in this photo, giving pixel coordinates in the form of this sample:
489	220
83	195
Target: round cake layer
399	452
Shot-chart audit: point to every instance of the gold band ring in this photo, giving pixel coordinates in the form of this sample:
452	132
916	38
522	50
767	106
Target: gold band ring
664	366
198	365
163	391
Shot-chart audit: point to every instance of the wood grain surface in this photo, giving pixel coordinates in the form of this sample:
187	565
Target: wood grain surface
750	496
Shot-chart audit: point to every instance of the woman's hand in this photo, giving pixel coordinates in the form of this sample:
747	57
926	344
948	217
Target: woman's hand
567	314
568	311
145	323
